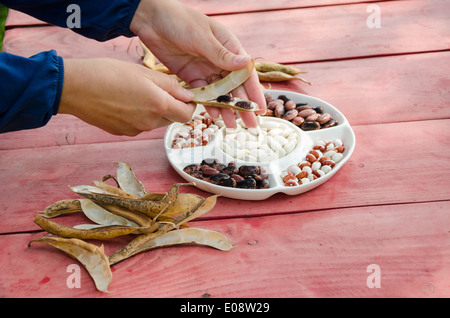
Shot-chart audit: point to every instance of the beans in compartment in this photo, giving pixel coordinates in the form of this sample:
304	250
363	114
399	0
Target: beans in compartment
197	132
319	161
229	175
267	142
302	115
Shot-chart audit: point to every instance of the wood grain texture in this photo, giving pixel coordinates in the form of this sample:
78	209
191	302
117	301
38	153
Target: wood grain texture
29	41
214	7
290	36
320	254
67	130
386	167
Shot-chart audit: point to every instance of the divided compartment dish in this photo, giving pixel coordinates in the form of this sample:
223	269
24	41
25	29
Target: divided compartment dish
180	158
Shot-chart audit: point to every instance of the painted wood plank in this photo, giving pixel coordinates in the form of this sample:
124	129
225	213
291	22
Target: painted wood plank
17	18
286	36
68	44
368	91
67	130
378	90
392	163
215	7
320	254
339	32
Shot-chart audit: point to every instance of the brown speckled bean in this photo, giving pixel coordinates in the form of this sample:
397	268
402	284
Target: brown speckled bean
307	112
274	103
289	105
324	118
290	114
312	117
279	111
298	120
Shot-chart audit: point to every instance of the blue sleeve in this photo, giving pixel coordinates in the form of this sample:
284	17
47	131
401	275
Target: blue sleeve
30	90
99	19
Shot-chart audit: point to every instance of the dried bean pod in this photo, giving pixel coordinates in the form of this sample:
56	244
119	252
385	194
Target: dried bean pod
290	114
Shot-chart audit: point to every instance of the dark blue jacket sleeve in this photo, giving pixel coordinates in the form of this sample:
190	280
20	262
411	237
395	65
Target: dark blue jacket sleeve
100	19
30	90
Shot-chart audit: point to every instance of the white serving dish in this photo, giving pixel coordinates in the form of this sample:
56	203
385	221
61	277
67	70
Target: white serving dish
180	158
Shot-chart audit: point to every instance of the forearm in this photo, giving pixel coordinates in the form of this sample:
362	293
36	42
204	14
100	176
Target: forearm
30	90
100	19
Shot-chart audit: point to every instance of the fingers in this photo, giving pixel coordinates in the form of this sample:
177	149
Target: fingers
255	93
221	55
173	99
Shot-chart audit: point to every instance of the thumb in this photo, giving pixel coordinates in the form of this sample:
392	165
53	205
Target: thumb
223	58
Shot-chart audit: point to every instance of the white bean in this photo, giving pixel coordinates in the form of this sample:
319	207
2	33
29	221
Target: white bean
319	142
241	137
307	169
330	153
338	142
326	169
269	124
281	140
289	147
214	127
294	169
316	165
305	180
251	145
337	157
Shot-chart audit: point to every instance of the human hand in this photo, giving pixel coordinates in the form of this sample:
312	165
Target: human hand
122	98
197	49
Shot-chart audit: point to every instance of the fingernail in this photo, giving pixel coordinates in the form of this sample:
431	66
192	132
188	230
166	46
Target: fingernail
241	59
189	95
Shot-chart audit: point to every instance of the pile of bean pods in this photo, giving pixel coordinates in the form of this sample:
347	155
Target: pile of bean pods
126	208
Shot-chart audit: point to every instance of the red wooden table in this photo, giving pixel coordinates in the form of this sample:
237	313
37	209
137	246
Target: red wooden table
389	205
